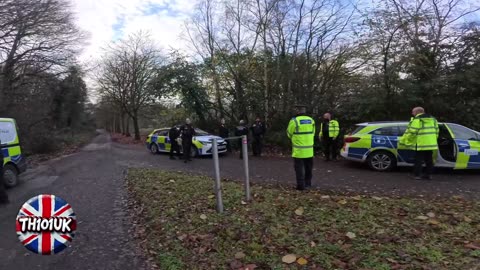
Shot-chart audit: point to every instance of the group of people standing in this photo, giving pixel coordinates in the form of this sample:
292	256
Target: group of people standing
420	136
301	132
257	130
185	133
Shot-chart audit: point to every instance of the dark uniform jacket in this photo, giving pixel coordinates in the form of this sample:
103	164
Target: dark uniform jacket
187	132
258	129
223	131
241	130
174	133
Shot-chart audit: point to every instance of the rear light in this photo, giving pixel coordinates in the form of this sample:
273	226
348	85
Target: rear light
351	139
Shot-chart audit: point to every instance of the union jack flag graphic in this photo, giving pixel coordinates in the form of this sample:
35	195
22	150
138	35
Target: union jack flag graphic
44	208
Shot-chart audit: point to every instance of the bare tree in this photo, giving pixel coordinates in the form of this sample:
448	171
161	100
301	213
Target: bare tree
128	71
35	37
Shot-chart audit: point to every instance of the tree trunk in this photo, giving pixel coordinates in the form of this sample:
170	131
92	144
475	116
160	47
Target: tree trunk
127	131
122	122
135	126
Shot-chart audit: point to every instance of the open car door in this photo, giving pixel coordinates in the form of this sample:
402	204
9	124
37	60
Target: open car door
467	146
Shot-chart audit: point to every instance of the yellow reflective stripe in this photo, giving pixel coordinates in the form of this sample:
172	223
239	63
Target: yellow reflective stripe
426	146
296	124
303	133
426	133
302	146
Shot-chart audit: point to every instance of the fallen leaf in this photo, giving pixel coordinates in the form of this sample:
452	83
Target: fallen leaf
313	244
203	216
467	219
302	261
431	214
290	258
172	181
325	197
235	264
472	246
299	211
239	255
357	198
249	267
243	202
390	260
351	235
342	201
339	264
422	218
211	196
433	222
377	198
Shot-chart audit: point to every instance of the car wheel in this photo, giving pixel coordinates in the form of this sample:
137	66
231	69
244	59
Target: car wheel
193	151
381	161
154	148
10	175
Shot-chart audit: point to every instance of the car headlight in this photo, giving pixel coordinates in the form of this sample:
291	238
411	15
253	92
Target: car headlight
205	142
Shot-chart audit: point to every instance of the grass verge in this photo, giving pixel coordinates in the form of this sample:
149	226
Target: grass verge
181	230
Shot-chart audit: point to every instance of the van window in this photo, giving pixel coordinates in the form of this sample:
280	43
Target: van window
8	133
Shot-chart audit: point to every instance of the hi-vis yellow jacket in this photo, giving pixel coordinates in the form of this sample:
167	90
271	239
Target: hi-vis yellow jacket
421	133
301	131
333	129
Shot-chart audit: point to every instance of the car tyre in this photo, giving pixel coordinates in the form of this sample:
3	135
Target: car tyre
154	148
381	161
10	175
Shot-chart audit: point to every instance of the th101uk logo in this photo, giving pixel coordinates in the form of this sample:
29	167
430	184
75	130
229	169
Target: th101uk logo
46	224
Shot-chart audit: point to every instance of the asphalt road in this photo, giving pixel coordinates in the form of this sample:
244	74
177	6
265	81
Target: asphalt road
92	181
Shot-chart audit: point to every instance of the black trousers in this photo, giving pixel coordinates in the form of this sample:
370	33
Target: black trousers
257	146
303	172
329	148
174	147
3	192
420	158
187	146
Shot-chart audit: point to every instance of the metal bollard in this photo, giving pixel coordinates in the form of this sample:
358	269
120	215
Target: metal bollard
218	187
245	164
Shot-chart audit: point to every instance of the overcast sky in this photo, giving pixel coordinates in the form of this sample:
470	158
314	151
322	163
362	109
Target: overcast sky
107	20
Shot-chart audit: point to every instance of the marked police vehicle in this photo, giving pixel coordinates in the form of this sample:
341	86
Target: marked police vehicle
14	162
158	141
376	143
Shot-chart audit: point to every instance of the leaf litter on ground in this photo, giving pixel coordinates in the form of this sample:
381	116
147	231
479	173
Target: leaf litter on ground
391	233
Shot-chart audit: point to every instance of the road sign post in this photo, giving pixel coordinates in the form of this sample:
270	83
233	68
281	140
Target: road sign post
245	165
218	187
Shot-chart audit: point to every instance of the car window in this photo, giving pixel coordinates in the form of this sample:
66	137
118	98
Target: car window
357	129
463	133
402	129
162	132
200	132
386	131
8	133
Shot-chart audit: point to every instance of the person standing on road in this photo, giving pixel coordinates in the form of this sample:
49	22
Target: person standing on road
301	132
224	133
173	135
241	131
329	130
3	192
422	137
258	131
187	132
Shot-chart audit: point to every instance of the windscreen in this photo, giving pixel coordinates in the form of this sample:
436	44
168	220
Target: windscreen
7	132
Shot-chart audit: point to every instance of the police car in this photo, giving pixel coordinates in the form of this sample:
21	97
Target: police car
13	161
376	143
158	141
